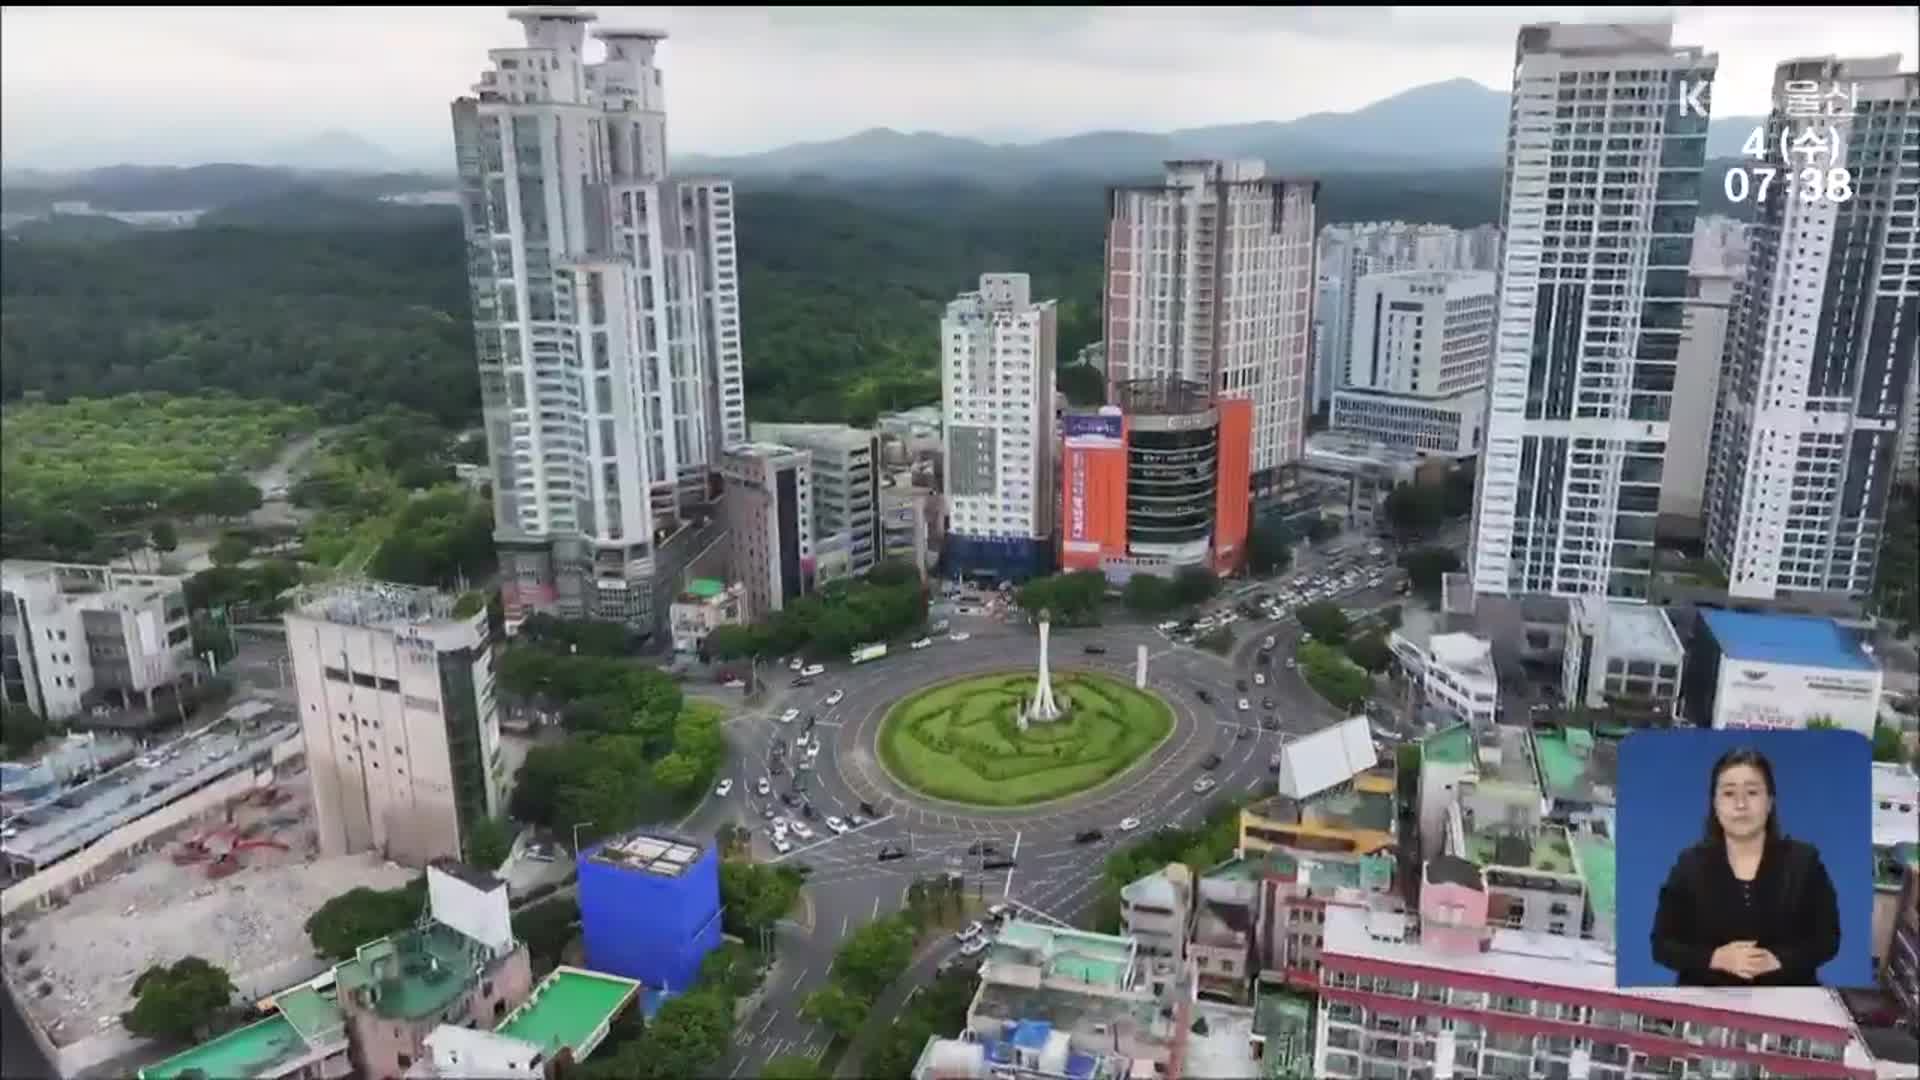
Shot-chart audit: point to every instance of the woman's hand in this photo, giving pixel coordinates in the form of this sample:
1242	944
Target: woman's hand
1743	960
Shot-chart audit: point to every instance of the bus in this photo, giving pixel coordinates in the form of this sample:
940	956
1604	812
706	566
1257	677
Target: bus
864	653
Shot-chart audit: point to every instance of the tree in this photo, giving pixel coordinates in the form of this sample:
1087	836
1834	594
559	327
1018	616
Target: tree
547	927
488	844
360	915
688	1034
1217	640
1822	722
1342	682
21	729
731	642
753	897
1082	383
1415	511
230	549
1194	585
1268	552
1325	621
1426	567
177	1002
1148	594
1371	651
874	955
231	496
1323	529
1887	744
837	1009
1457	493
1071	599
791	1067
164	536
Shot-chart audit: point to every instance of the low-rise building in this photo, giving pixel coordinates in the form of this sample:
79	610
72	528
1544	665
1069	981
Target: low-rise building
1749	670
650	907
1454	671
1220	939
561	1023
75	637
705	606
1622	657
1361	473
1156	911
911	519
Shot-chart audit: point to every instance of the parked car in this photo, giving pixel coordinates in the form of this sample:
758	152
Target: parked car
763	786
999	912
975	947
1094	650
1245	705
813	671
959	635
836	825
867	809
800	829
981	847
1001	863
781	845
969	932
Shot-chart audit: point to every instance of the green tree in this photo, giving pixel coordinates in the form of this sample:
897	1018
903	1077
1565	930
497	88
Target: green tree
1194	585
1426	567
1071	599
21	729
791	1067
1268	552
1415	511
1370	651
1148	594
1325	621
547	927
1334	677
360	915
488	844
837	1009
874	955
732	642
1082	383
1887	744
1217	640
230	549
1457	493
177	1002
1822	722
753	897
164	536
1323	529
689	1033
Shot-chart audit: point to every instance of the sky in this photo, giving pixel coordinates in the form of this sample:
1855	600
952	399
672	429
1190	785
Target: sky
81	87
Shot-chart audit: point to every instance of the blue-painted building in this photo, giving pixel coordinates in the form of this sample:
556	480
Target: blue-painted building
650	907
998	558
1751	670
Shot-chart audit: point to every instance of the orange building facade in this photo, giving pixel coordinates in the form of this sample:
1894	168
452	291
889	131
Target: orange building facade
1233	498
1093	486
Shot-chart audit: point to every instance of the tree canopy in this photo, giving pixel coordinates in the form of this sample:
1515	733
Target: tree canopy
1426	567
887	603
1415	511
1335	677
1268	551
1070	599
177	1002
359	915
1325	621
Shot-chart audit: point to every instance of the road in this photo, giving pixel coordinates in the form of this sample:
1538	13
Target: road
1055	878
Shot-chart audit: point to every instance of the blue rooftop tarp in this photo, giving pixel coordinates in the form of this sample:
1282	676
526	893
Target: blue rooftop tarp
1804	640
1031	1034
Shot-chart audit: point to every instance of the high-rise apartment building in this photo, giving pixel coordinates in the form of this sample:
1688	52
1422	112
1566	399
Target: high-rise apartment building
996	387
1713	282
397	709
846	493
769	510
1818	358
1416	372
1210	280
606	320
1601	189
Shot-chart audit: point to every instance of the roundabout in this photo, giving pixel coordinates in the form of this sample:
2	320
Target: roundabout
967	741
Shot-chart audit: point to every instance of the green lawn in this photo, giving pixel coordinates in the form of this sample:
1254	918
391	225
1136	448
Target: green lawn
961	741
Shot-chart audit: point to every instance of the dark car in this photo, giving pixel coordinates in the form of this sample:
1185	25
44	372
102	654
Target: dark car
789	798
1211	761
981	847
775	766
1089	836
867	809
1266	703
806	810
802	680
1270	722
1240	685
1094	650
997	864
891	852
1243	733
1205	697
803	869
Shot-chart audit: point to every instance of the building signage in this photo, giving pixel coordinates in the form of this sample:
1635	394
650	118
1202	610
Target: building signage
1090	425
1077	497
1789	697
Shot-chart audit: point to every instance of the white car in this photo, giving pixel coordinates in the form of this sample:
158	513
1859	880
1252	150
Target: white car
800	741
1128	824
921	643
1170	624
725	789
836	698
796	664
1244	705
1268	643
1203	785
780	845
975	947
958	635
812	671
799	829
790	716
969	932
763	787
1259	678
779	828
813	749
1291	663
735	684
836	825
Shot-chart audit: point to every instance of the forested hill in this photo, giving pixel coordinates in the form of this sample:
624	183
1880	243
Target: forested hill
346	304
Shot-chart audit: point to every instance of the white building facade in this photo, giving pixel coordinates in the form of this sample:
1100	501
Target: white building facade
1455	671
396	697
1625	654
73	636
1416	372
1210	279
606	317
1822	350
998	351
1601	189
846	487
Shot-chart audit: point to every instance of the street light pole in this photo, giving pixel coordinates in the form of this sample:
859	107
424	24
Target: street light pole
576	836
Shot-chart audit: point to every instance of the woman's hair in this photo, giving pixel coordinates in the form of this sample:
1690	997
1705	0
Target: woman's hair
1754	759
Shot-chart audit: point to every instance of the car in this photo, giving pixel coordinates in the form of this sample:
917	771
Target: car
1094	650
1269	642
1211	761
802	680
789	798
790	716
763	786
1205	697
1243	733
1001	863
958	635
1240	685
781	845
1128	824
1089	836
735	684
1203	785
1170	624
799	829
836	825
890	852
1245	705
1273	763
854	821
975	947
1259	678
982	847
1266	703
1291	664
806	810
813	671
813	749
920	643
867	809
724	789
776	767
796	664
969	932
800	741
836	698
1270	722
767	812
999	912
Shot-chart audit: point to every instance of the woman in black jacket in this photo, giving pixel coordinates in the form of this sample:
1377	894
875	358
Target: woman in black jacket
1746	906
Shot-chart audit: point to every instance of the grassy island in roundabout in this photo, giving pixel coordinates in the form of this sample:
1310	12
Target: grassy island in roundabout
961	740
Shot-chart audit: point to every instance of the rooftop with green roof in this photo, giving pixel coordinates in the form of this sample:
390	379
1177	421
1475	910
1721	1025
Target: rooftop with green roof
570	1008
1284	1021
1096	959
1546	850
1574	765
260	1047
1453	746
705	588
1597	870
415	973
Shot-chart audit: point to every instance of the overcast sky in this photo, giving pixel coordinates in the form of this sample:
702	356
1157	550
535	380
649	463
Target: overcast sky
167	85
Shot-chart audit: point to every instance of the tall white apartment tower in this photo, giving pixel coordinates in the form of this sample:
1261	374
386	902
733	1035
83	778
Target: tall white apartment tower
1210	279
996	392
1821	350
1601	188
397	709
606	319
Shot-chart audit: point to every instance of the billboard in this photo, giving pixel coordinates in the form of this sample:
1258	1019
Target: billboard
1091	425
1232	493
1094	498
1757	694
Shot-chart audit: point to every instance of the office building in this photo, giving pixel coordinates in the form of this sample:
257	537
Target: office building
397	709
846	492
1415	374
76	637
705	606
1453	670
1748	670
1603	174
1157	482
997	349
1623	657
769	514
1818	358
1209	278
606	321
650	907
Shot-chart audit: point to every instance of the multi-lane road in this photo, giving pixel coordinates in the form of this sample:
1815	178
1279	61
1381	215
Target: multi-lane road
1054	877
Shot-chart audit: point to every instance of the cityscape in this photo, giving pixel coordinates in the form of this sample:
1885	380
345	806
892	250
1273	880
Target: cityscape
918	606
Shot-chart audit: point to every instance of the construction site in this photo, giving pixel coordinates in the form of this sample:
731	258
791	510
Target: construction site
234	887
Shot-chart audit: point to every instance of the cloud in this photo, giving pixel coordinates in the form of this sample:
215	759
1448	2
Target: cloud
93	85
